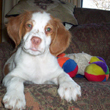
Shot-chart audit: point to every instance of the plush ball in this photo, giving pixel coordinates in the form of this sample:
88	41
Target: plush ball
68	65
97	70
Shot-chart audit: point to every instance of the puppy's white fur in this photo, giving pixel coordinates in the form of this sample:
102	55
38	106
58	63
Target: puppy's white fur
39	66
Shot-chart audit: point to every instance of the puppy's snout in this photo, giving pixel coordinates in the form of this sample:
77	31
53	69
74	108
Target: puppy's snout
36	40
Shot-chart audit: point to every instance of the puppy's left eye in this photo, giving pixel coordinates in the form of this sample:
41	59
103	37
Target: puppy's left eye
48	29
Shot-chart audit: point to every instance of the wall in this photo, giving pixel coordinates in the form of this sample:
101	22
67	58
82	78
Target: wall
6	7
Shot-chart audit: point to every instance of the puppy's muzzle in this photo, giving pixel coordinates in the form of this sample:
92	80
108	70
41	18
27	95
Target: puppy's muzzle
35	42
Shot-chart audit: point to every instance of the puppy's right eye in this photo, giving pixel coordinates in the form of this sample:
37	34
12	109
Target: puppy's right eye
29	26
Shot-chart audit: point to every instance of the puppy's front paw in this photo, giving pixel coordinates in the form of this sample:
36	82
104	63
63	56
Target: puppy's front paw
69	91
14	101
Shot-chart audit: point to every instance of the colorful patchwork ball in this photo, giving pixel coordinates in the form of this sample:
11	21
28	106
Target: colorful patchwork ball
68	65
97	70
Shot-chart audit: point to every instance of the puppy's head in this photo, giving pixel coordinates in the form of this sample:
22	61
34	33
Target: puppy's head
38	32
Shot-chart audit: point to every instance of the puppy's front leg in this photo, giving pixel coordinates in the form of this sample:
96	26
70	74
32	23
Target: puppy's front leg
14	97
68	88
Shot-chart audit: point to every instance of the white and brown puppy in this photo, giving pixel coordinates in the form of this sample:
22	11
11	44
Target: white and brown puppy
41	38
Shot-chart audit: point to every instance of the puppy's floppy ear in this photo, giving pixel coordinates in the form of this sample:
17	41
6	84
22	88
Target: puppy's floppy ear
15	27
60	38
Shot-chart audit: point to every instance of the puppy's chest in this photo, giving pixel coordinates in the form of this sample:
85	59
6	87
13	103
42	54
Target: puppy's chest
35	66
38	69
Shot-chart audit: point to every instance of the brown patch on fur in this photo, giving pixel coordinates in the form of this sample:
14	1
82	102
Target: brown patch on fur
60	37
16	27
6	69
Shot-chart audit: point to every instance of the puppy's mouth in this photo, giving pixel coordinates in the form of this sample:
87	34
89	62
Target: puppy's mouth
34	51
34	46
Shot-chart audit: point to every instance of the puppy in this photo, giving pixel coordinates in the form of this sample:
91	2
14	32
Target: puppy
38	38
